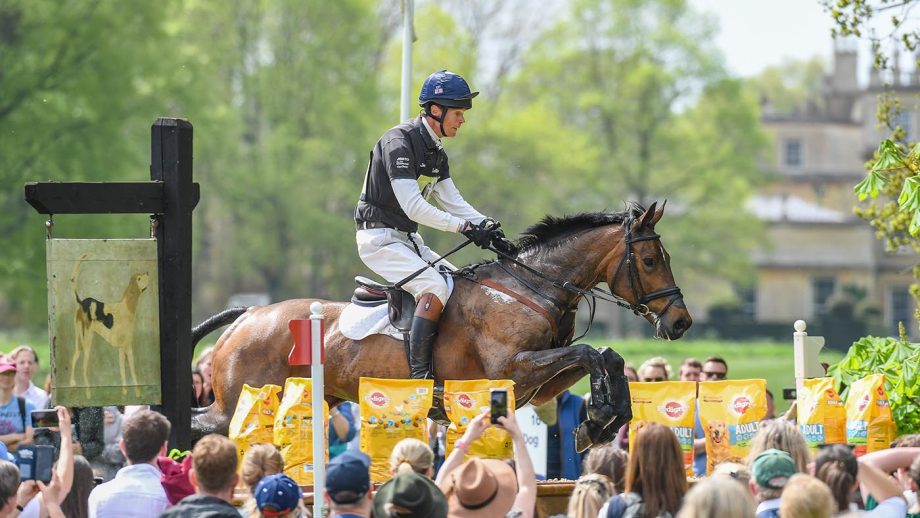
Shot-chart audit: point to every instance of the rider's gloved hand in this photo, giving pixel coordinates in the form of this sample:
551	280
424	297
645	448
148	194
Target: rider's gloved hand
503	244
480	234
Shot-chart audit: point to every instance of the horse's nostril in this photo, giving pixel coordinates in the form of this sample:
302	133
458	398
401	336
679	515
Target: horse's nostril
680	325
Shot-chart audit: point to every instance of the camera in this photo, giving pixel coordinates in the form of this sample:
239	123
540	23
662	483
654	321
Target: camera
35	462
498	404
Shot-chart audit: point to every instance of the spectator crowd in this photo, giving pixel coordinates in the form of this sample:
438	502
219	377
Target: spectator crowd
130	474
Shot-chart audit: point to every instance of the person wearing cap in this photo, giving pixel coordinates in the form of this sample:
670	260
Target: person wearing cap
278	496
15	411
348	485
489	487
408	166
771	470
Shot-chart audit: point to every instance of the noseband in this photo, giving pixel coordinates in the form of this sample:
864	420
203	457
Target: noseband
640	306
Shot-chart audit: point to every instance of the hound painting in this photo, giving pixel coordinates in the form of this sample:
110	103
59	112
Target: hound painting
104	321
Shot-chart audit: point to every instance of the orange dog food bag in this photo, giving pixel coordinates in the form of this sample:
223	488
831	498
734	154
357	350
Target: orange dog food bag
464	400
671	403
870	426
253	420
730	412
391	410
821	414
293	431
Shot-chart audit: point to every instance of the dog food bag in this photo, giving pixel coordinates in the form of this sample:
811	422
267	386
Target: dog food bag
671	403
391	410
869	423
730	412
464	400
254	418
293	431
821	414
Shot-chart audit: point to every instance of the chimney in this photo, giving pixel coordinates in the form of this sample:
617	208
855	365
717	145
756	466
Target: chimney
843	78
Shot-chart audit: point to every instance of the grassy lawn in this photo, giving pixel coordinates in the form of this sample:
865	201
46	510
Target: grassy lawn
768	360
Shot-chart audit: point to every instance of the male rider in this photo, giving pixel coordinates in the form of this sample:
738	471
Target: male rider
408	166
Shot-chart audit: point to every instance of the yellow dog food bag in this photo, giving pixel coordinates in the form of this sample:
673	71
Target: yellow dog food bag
870	426
821	414
464	400
730	412
293	431
391	410
671	403
254	417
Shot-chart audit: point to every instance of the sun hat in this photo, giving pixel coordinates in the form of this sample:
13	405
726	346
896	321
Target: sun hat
410	495
480	487
348	477
277	495
773	468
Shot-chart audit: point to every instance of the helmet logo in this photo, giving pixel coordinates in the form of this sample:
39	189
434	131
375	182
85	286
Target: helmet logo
438	90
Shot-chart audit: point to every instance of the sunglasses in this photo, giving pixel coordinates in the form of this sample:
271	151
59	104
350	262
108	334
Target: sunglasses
716	375
653	379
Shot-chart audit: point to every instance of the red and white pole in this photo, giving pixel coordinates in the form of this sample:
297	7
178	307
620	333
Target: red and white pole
313	354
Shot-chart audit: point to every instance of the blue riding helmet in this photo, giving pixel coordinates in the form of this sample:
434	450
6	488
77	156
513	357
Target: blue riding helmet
446	89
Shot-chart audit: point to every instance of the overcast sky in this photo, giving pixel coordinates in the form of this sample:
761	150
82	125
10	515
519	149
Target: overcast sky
755	34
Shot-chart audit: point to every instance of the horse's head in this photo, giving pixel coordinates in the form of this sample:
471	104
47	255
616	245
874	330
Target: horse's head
642	276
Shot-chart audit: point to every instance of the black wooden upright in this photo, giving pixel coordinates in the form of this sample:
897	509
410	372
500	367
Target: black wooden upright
169	197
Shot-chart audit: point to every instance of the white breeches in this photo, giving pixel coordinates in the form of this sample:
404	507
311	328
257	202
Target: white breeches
390	254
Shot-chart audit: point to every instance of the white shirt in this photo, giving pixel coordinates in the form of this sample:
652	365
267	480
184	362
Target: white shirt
135	492
36	396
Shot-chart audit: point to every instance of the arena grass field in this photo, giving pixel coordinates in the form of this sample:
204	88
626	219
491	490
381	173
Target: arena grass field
769	360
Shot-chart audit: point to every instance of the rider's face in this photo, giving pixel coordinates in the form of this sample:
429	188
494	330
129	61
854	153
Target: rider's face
452	121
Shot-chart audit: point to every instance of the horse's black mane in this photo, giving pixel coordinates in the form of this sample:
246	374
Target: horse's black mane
551	228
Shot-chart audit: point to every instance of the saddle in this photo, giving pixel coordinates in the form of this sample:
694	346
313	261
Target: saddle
400	303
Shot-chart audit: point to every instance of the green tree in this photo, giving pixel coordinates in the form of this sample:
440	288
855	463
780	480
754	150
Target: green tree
891	190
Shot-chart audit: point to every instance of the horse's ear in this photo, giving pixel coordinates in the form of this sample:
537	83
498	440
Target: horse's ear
659	213
646	218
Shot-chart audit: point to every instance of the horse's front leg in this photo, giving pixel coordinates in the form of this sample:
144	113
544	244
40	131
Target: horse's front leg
564	366
590	433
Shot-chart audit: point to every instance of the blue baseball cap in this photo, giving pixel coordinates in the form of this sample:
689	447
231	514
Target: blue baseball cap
277	495
348	477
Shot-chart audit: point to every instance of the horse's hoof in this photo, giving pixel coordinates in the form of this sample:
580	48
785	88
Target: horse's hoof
601	414
586	435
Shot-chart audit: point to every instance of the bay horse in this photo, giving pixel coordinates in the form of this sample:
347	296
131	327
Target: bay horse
483	334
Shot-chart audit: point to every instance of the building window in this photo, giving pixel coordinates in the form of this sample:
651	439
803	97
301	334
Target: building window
900	308
904	119
792	153
822	288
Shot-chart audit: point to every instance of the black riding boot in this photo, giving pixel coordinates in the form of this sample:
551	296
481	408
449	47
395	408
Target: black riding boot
421	338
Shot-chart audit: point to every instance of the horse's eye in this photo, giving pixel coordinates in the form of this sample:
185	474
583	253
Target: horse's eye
649	261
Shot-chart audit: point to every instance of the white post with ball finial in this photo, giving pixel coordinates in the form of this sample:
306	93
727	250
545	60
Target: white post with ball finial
319	423
805	354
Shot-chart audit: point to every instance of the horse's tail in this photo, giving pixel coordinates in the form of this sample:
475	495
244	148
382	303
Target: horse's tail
207	420
219	320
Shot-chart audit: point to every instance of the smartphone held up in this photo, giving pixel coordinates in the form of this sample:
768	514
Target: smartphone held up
498	404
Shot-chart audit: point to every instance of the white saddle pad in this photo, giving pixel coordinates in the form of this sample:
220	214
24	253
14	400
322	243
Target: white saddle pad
358	322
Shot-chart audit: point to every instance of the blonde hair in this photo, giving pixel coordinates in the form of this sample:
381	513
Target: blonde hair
783	436
714	497
656	362
734	471
806	497
609	461
411	455
259	461
589	495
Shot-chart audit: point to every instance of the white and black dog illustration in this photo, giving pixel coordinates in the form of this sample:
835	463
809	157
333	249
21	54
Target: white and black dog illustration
113	322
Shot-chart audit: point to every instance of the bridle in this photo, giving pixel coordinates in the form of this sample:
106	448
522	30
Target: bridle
639	307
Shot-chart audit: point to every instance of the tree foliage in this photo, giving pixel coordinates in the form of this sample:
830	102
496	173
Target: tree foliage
605	102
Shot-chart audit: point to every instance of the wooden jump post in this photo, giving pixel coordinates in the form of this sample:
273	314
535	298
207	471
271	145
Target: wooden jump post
169	197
